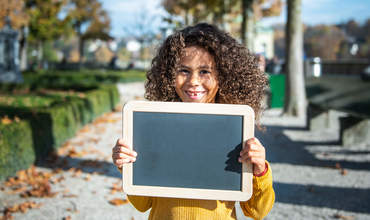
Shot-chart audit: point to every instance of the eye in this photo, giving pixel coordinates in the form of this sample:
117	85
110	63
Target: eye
184	71
204	72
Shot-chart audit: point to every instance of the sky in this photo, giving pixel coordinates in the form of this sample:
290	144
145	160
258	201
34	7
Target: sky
125	13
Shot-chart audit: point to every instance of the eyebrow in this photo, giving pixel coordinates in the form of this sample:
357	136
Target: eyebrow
200	67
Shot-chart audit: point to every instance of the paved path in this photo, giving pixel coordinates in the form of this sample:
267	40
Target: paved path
314	177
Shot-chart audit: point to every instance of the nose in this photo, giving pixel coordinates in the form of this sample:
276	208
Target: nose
194	79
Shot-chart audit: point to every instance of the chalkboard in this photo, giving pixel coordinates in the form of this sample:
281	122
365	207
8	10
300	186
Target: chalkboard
187	150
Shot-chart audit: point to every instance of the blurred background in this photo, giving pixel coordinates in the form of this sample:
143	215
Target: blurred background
68	66
93	34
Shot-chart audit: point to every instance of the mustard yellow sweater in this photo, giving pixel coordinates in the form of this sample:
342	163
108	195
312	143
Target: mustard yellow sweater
257	207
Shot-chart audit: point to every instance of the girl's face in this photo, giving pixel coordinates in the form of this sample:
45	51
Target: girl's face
196	78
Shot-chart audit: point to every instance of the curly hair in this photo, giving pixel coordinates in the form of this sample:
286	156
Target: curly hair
240	79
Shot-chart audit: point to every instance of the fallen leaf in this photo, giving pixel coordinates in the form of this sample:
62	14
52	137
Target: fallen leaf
16	119
87	177
118	202
344	217
338	166
72	210
343	172
5	120
31	183
22	207
84	129
67	218
77	173
116	187
69	195
7	216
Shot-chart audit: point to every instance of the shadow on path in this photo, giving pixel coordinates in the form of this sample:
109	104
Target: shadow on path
92	166
348	199
281	149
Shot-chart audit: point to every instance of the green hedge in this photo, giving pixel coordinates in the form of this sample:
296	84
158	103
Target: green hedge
52	125
66	78
16	148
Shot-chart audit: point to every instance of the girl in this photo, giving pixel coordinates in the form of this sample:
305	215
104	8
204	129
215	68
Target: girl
204	64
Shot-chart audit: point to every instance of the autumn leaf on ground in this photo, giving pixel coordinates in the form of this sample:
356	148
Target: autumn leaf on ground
22	207
5	120
84	129
76	172
94	140
16	119
74	153
116	187
72	210
338	166
31	183
343	217
107	118
7	216
69	196
118	202
87	177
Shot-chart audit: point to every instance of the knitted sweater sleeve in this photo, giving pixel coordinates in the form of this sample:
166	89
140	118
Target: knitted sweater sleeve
262	199
141	203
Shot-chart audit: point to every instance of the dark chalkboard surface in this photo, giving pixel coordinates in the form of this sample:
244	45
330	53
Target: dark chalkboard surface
187	150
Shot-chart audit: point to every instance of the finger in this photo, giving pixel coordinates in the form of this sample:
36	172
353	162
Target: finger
252	155
122	156
251	148
127	151
254	160
121	142
253	141
120	162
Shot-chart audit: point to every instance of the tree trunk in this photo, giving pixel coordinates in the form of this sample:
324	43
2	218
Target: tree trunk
246	24
40	55
80	44
295	95
186	17
23	50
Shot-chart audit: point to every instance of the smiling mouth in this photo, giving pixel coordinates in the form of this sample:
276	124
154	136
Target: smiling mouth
195	94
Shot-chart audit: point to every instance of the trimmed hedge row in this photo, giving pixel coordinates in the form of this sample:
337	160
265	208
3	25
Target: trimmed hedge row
56	78
16	149
51	126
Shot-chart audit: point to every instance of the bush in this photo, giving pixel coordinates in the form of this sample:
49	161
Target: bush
52	125
52	107
16	148
86	77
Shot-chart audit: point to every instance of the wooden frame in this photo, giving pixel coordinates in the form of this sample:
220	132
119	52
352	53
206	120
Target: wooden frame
196	108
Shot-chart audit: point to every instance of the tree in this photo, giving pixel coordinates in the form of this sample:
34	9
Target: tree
323	41
141	30
19	20
247	11
195	11
89	20
15	9
44	23
252	11
295	95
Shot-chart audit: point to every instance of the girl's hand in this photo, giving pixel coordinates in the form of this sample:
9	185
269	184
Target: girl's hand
122	154
254	152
